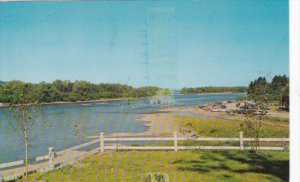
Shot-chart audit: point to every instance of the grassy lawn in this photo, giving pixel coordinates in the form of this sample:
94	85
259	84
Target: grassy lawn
210	127
181	166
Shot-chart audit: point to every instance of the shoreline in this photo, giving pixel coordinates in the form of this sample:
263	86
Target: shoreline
163	122
158	124
68	102
217	93
104	100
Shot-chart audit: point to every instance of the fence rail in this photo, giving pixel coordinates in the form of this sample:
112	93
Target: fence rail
116	139
175	139
103	145
11	164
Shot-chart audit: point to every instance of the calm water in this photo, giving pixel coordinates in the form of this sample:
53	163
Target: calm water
62	126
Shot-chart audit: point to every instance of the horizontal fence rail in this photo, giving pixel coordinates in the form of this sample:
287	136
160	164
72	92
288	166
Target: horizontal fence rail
267	139
117	139
11	164
195	139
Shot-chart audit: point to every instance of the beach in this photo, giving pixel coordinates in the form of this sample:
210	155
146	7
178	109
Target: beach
165	121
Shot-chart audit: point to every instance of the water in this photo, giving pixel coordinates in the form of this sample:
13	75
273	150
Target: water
63	126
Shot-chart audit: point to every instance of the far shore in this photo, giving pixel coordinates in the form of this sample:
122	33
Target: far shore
220	93
75	102
101	100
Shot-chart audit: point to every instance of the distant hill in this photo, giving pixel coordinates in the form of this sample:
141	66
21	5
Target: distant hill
1	82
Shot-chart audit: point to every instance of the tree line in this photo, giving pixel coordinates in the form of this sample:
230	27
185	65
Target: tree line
199	90
276	90
66	91
16	92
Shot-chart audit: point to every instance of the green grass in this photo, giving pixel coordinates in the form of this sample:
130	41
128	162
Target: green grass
225	128
183	166
279	120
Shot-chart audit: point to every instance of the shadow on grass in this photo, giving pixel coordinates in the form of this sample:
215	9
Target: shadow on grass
235	161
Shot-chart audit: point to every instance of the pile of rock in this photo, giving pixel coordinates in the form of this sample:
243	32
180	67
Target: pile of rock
245	107
215	107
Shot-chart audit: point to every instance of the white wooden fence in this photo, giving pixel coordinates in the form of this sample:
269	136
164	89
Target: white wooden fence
175	140
102	140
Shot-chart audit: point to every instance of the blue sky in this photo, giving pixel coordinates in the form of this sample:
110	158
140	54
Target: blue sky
163	43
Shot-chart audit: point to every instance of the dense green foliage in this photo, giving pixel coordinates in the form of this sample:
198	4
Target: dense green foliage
20	92
199	90
276	90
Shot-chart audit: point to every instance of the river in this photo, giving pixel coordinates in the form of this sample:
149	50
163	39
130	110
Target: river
63	126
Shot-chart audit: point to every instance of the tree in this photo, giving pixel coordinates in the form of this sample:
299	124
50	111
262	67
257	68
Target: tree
261	89
25	116
278	83
252	125
252	128
285	98
199	90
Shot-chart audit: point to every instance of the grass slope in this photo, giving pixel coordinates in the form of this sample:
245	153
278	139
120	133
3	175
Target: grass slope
210	127
183	166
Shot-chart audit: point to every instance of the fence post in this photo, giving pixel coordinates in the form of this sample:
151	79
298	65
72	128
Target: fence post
175	141
102	142
51	156
242	140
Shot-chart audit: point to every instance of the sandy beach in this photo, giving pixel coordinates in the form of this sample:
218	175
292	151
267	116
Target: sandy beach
159	124
164	123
